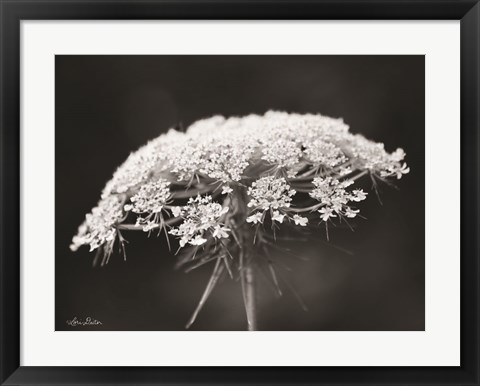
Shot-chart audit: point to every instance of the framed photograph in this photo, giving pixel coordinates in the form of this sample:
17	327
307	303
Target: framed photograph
239	193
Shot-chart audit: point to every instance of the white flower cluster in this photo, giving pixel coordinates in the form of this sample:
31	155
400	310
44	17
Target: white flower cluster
334	197
268	157
99	227
202	218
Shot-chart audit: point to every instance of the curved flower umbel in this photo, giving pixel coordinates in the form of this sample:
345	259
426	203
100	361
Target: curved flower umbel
215	186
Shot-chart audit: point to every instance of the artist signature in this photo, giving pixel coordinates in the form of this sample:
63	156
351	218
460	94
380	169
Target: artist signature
88	321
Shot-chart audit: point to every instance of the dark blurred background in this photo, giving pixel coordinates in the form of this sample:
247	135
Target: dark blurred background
369	279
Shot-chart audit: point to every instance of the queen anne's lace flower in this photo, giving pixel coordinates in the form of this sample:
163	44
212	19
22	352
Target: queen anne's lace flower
264	160
201	218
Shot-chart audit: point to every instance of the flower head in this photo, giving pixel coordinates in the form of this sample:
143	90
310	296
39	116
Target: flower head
170	183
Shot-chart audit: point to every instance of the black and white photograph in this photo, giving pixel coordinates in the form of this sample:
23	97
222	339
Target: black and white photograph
239	193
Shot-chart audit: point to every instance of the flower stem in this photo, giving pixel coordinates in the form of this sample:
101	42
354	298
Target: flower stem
250	296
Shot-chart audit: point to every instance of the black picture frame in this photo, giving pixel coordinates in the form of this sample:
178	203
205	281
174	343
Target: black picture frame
13	11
